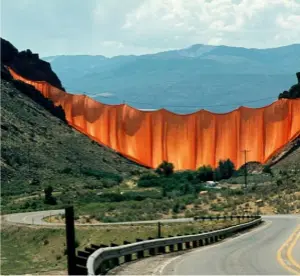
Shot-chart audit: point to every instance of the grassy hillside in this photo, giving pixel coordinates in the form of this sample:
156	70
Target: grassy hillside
38	149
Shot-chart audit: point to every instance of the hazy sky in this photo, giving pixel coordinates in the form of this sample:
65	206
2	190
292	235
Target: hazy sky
114	27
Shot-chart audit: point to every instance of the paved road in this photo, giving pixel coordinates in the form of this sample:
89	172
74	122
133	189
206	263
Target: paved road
263	251
36	218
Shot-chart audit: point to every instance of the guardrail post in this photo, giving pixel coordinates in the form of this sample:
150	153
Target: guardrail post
195	243
128	258
179	247
162	249
171	247
201	243
70	236
115	262
216	238
206	241
152	251
187	245
140	254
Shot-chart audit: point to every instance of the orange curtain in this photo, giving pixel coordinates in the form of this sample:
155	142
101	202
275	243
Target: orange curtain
188	141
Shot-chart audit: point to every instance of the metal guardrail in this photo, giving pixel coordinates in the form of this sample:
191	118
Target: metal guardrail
107	258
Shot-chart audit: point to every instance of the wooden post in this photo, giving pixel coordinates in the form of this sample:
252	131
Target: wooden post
70	236
159	230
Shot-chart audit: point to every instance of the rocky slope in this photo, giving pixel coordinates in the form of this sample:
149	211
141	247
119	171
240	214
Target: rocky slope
27	64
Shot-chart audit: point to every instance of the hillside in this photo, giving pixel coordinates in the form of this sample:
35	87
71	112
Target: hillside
39	149
217	78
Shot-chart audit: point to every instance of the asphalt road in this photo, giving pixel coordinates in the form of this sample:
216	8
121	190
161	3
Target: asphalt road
36	218
270	249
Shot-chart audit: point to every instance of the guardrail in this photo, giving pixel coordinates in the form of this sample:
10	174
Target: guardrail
106	258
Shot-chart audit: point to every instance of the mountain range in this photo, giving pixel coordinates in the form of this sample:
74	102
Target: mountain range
216	78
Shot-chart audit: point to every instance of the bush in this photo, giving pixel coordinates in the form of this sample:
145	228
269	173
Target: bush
226	168
67	170
77	243
267	169
205	173
102	175
279	182
176	208
49	198
165	168
217	176
148	180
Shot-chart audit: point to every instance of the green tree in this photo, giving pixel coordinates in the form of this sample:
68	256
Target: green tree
49	198
217	175
205	173
226	168
165	168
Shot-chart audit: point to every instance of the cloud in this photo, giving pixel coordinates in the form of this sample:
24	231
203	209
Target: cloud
113	27
251	23
291	22
115	44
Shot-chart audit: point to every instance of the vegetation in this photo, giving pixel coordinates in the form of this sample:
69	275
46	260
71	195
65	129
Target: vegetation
42	250
294	91
267	169
165	168
225	169
29	135
49	198
205	173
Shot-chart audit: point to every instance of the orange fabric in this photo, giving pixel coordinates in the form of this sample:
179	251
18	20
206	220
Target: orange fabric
188	141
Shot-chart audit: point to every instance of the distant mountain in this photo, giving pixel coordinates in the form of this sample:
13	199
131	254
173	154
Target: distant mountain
217	78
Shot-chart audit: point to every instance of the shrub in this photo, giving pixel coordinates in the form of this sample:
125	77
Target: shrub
267	169
49	198
165	168
205	173
67	170
46	242
226	168
217	175
176	208
102	175
148	180
77	243
279	182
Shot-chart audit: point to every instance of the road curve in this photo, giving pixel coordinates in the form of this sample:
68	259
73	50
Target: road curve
37	218
256	252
